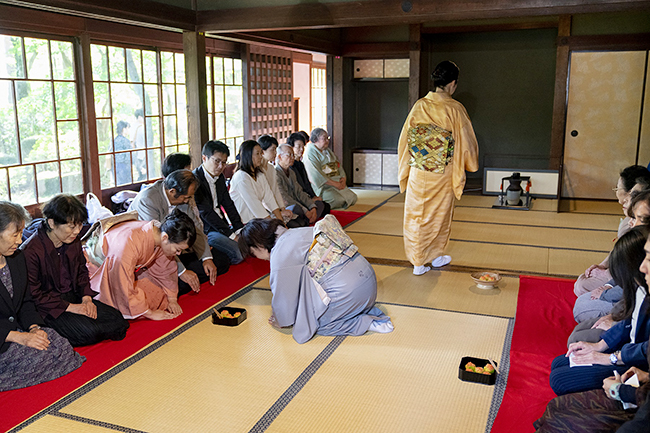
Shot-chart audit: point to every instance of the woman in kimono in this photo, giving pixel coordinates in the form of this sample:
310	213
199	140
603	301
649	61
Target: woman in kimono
249	188
58	277
325	173
138	274
437	144
340	302
29	354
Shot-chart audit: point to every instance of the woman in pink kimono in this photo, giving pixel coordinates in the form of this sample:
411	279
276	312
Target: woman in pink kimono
138	276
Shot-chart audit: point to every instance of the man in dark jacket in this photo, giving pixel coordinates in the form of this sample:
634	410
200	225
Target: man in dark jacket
212	199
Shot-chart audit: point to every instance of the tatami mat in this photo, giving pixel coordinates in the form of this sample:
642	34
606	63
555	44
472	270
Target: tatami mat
537	236
489	256
532	218
210	378
56	424
403	381
369	198
388	219
601	240
573	263
443	290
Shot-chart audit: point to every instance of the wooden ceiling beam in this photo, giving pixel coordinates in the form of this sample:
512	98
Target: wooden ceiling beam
286	39
139	12
389	12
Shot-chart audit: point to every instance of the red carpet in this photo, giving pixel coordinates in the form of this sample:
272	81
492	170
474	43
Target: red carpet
543	323
19	405
346	217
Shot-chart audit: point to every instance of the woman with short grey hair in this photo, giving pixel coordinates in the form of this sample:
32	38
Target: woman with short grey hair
29	354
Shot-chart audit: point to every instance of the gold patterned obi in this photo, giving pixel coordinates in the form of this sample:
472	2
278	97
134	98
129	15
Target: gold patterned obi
331	169
430	147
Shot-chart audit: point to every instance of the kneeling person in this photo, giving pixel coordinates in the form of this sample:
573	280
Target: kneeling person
58	277
138	274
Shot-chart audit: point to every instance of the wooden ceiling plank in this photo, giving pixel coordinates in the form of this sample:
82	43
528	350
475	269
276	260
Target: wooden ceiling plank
389	12
143	12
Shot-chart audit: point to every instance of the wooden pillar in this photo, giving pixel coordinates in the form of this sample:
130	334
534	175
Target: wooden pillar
86	97
560	99
335	106
414	63
246	85
197	95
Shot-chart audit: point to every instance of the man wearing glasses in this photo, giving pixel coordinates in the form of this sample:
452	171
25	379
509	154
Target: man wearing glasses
212	199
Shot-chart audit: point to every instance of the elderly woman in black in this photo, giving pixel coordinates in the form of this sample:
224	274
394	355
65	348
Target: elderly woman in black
29	354
58	277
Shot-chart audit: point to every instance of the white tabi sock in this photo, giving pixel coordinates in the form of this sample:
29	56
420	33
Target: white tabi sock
441	261
381	327
421	270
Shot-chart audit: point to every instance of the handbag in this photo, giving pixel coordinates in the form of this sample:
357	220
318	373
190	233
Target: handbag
95	209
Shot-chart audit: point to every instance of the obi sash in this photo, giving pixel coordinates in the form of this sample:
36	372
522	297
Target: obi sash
330	246
331	169
431	147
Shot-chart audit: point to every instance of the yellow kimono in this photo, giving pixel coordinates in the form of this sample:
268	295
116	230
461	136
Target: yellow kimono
437	144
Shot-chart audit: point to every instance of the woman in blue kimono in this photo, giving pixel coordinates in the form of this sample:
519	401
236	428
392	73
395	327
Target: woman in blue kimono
338	299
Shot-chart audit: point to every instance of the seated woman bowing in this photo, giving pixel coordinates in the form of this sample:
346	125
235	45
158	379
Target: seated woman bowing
138	272
625	344
337	298
29	354
58	277
249	188
326	175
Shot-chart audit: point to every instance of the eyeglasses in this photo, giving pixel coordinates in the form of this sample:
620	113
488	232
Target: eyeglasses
219	162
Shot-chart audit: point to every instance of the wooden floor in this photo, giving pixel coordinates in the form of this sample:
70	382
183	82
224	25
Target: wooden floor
253	378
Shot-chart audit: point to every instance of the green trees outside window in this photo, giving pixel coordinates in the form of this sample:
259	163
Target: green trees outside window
225	102
40	143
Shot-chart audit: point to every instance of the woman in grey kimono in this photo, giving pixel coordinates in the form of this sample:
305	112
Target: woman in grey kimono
341	302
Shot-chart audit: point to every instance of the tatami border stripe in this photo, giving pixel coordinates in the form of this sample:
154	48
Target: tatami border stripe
296	386
423	307
81	391
96	423
502	378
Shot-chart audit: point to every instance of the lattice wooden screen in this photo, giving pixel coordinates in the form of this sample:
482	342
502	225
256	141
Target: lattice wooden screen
271	79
